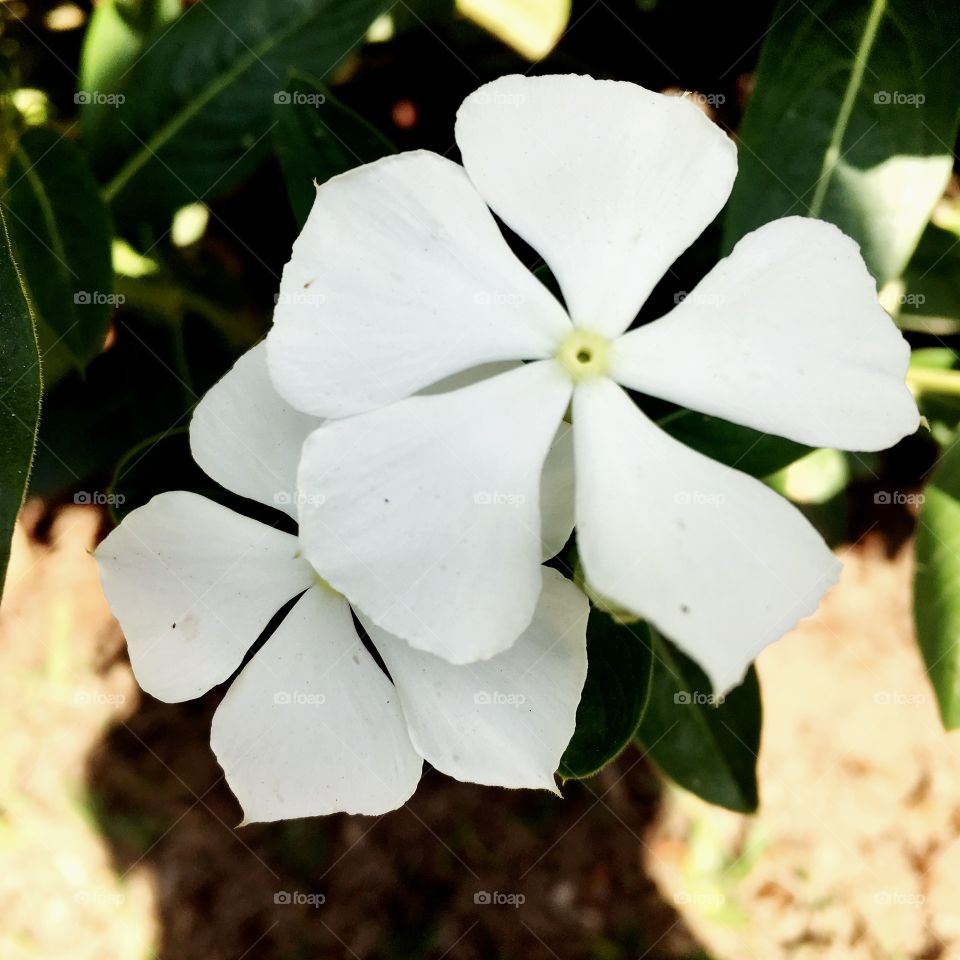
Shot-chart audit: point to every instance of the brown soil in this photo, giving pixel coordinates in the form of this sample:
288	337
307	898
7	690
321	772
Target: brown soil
118	840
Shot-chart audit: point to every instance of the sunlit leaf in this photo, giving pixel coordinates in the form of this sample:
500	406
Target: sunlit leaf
531	27
853	119
937	584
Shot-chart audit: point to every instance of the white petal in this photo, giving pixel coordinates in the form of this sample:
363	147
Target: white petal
426	514
556	482
247	438
312	725
713	558
193	584
607	181
785	335
506	721
557	493
400	278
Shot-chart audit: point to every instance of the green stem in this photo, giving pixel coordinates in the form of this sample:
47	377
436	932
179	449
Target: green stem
929	380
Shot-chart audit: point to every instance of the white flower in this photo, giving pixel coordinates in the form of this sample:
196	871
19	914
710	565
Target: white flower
609	183
312	724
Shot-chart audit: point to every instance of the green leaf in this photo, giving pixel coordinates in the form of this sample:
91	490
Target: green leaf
19	394
114	38
317	137
61	235
928	301
707	747
198	104
937	584
616	690
836	127
748	450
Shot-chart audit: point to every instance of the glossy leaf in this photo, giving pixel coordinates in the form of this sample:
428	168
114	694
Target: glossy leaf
317	137
171	143
614	696
852	119
61	234
19	394
707	747
936	597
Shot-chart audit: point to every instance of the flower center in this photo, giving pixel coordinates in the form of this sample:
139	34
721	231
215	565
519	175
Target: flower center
584	353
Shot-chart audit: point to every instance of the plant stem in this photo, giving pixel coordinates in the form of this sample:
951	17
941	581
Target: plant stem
929	380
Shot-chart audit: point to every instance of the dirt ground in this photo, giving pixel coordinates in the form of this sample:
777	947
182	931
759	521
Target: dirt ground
117	832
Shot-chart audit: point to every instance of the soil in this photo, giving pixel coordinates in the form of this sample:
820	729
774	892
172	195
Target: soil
118	833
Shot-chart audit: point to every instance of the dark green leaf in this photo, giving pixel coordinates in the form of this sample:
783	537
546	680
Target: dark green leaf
165	462
618	682
317	137
61	234
19	394
936	593
852	119
758	454
199	103
706	747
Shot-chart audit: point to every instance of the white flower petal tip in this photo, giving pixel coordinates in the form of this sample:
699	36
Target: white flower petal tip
505	721
786	336
714	559
193	584
312	725
405	511
607	181
247	438
399	279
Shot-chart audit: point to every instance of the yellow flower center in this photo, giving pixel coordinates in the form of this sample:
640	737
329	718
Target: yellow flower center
584	354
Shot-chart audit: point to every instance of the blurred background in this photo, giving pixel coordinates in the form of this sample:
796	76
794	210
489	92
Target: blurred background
157	161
